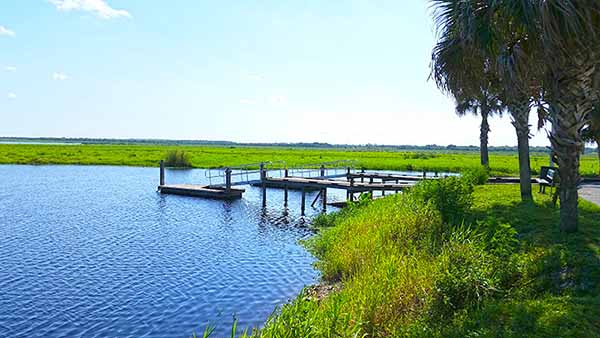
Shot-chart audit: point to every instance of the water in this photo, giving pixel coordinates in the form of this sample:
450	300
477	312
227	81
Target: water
91	251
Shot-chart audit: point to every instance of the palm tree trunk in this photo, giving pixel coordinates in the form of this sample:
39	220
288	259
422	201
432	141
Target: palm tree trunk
520	116
483	138
598	149
570	110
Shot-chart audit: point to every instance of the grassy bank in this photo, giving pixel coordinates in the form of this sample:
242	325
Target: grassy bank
405	268
210	157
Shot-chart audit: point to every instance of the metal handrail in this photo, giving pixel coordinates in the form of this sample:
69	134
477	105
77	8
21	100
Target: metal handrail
306	170
244	170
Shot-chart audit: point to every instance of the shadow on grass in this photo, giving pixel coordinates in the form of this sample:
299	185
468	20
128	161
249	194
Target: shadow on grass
558	292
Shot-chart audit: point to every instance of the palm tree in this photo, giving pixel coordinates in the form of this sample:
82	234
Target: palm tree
485	105
539	46
467	73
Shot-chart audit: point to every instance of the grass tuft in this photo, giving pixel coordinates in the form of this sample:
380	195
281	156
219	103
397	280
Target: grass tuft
178	159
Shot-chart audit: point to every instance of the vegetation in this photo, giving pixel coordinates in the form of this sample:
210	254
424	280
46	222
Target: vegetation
538	52
485	104
592	132
178	159
425	264
501	163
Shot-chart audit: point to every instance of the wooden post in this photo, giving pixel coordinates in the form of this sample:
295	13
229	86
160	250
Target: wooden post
436	174
362	178
383	192
303	206
263	174
322	170
285	189
227	179
324	196
162	173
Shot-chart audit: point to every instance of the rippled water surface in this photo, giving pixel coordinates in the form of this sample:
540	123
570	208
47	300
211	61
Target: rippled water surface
90	251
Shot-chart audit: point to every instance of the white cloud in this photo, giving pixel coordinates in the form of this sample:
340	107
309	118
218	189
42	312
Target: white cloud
6	32
59	76
278	100
10	69
98	7
247	101
12	96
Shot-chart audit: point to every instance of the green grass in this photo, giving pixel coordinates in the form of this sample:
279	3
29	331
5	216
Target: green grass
212	157
406	273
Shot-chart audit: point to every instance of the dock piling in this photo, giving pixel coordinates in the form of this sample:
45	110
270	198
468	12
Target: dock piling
324	199
228	179
162	172
285	191
263	178
303	206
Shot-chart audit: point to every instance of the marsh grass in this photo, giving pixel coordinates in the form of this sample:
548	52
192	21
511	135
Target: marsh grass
501	164
505	270
178	159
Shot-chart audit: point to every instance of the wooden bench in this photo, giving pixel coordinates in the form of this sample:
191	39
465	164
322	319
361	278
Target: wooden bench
547	178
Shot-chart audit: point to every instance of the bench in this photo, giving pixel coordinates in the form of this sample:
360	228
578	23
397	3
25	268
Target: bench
547	178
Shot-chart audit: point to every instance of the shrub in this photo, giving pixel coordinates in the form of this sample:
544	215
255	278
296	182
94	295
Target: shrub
178	159
477	176
466	274
452	196
398	223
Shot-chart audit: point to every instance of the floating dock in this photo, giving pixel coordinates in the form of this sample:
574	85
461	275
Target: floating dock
226	192
201	191
294	179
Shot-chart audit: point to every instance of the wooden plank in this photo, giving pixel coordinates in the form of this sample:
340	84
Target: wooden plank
201	191
297	182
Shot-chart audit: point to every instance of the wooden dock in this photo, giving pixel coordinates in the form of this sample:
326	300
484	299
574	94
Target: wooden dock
352	183
226	192
201	191
325	183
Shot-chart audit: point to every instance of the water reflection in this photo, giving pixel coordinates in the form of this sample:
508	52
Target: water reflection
95	251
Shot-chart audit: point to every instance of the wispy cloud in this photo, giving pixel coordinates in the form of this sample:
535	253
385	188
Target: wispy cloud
278	100
59	76
98	7
247	101
10	69
6	32
12	96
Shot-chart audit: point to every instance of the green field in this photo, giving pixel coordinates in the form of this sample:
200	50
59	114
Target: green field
212	157
399	267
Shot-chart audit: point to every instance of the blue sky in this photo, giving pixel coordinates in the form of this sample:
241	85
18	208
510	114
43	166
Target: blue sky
353	71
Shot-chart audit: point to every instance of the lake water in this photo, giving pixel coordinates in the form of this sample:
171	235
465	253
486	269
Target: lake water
95	251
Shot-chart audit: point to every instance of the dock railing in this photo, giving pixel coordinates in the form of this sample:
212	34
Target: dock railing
242	174
323	169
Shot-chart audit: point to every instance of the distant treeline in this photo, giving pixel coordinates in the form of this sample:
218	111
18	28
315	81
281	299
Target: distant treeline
370	147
